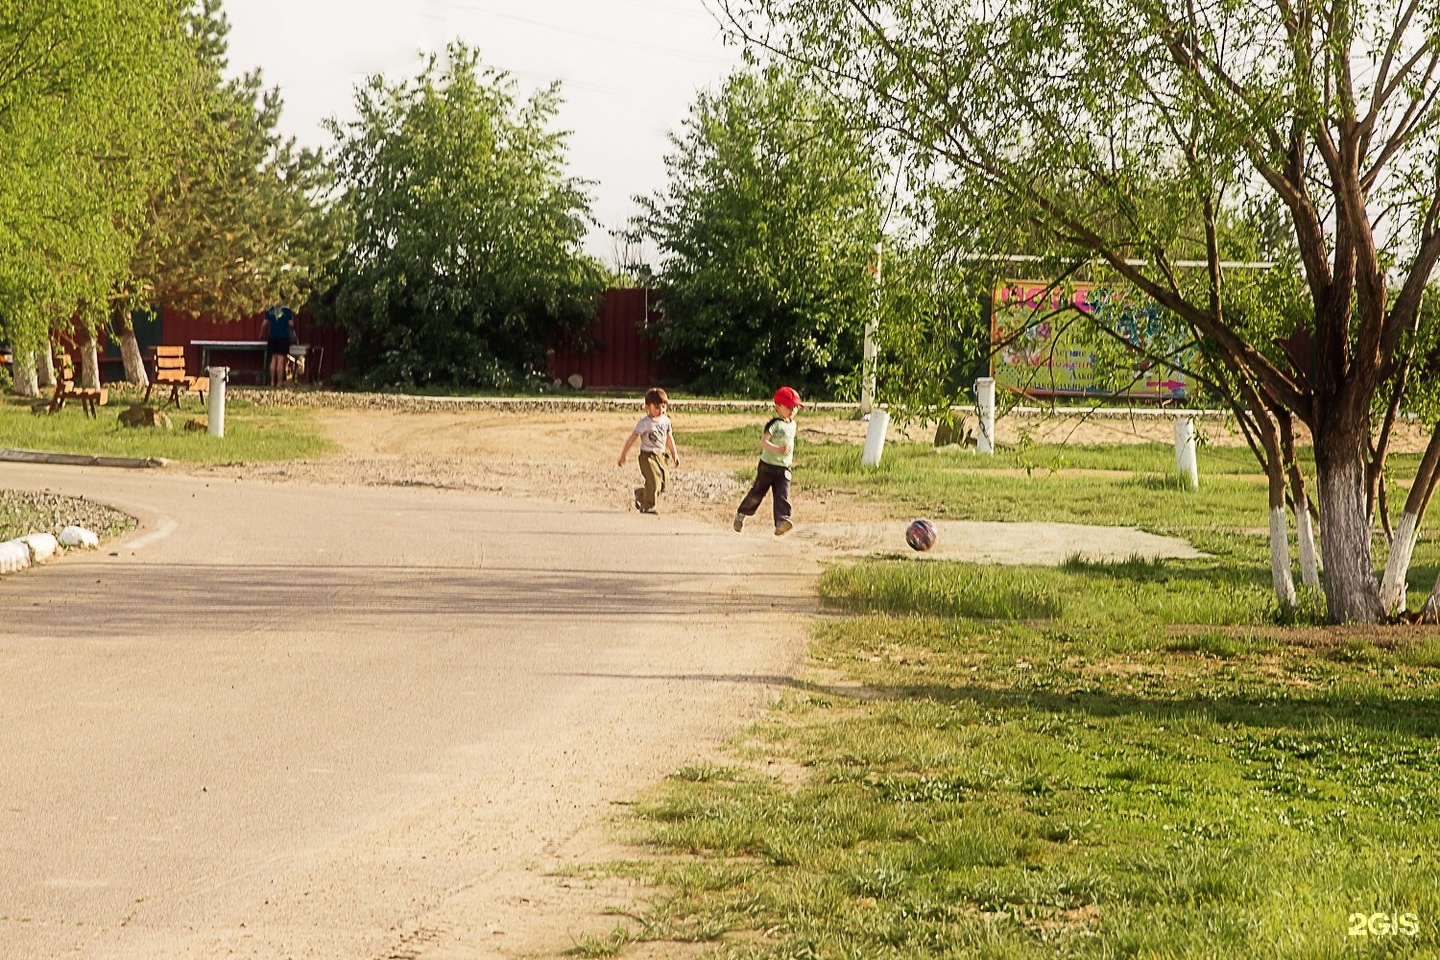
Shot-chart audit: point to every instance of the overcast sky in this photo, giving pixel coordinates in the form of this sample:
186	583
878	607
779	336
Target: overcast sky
629	69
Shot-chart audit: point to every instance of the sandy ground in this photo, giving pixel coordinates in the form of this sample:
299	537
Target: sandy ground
571	457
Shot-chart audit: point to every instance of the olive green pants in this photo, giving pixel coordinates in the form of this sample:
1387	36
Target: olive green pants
655	471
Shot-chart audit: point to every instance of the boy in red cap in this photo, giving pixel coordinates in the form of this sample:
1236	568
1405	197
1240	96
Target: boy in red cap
777	453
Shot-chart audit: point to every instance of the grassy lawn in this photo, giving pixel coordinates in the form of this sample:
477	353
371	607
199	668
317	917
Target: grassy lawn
252	433
1099	760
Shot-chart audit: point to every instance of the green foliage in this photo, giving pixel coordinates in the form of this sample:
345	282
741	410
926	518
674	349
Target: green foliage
764	234
241	223
89	87
1144	144
933	336
463	251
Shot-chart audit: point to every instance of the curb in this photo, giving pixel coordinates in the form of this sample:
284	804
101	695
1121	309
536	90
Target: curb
80	459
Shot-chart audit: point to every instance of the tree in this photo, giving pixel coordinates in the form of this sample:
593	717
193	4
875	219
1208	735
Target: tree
242	222
463	257
86	89
764	231
1113	128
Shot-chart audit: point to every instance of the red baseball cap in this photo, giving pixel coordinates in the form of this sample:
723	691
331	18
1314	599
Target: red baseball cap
787	397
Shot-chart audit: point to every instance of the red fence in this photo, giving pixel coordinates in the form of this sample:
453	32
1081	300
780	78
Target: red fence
622	357
181	329
615	355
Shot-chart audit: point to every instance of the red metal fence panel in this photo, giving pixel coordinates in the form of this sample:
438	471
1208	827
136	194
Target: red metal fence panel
181	329
622	356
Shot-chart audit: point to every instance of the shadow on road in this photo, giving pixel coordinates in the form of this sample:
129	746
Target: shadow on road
96	600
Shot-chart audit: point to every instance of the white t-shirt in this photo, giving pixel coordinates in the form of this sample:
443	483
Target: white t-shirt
652	432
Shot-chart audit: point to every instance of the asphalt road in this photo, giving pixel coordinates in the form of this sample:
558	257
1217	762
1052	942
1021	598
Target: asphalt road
299	721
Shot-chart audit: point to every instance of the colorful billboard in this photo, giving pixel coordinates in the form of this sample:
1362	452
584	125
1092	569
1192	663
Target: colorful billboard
1043	343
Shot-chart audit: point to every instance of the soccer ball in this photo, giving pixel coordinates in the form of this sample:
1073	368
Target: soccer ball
921	535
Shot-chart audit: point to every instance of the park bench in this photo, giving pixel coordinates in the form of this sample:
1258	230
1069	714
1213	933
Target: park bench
65	389
168	364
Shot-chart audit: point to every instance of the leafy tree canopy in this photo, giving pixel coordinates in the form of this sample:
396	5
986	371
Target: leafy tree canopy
242	222
463	254
770	217
1127	134
87	89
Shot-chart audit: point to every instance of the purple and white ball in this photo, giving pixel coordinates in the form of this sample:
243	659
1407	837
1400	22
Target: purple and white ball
921	535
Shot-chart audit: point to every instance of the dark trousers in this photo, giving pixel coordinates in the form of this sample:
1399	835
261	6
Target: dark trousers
774	480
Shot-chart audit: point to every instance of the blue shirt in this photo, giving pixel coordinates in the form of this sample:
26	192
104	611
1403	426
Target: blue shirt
279	319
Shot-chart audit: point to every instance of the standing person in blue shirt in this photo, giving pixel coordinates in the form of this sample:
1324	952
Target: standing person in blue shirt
279	334
777	453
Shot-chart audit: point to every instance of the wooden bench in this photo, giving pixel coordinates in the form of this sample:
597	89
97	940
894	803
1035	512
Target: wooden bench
168	364
91	399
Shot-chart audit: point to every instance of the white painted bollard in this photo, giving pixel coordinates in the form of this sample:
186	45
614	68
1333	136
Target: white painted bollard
875	438
215	415
1185	464
985	403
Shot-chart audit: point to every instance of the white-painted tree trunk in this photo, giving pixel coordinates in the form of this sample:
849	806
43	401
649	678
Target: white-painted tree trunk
1280	559
89	363
1392	586
45	370
1430	613
1352	592
22	372
1309	556
134	362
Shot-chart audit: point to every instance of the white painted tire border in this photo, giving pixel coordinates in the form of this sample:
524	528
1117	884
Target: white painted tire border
23	552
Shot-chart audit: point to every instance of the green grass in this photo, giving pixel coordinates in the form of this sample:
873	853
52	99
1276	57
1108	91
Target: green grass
252	433
1132	759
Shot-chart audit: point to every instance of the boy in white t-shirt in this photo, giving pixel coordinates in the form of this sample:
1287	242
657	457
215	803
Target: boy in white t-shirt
656	439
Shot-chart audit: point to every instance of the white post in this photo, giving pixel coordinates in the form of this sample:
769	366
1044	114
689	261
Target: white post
1185	464
985	402
216	407
871	349
875	438
867	382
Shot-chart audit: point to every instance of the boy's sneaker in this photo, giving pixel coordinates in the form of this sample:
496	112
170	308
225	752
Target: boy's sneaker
783	527
647	509
739	523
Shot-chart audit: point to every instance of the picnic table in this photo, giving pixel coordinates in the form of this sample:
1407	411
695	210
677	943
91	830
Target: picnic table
239	346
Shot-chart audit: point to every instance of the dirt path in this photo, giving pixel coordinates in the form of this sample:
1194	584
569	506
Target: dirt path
336	722
570	458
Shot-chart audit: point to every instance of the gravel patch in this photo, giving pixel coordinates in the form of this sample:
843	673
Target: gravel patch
22	513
